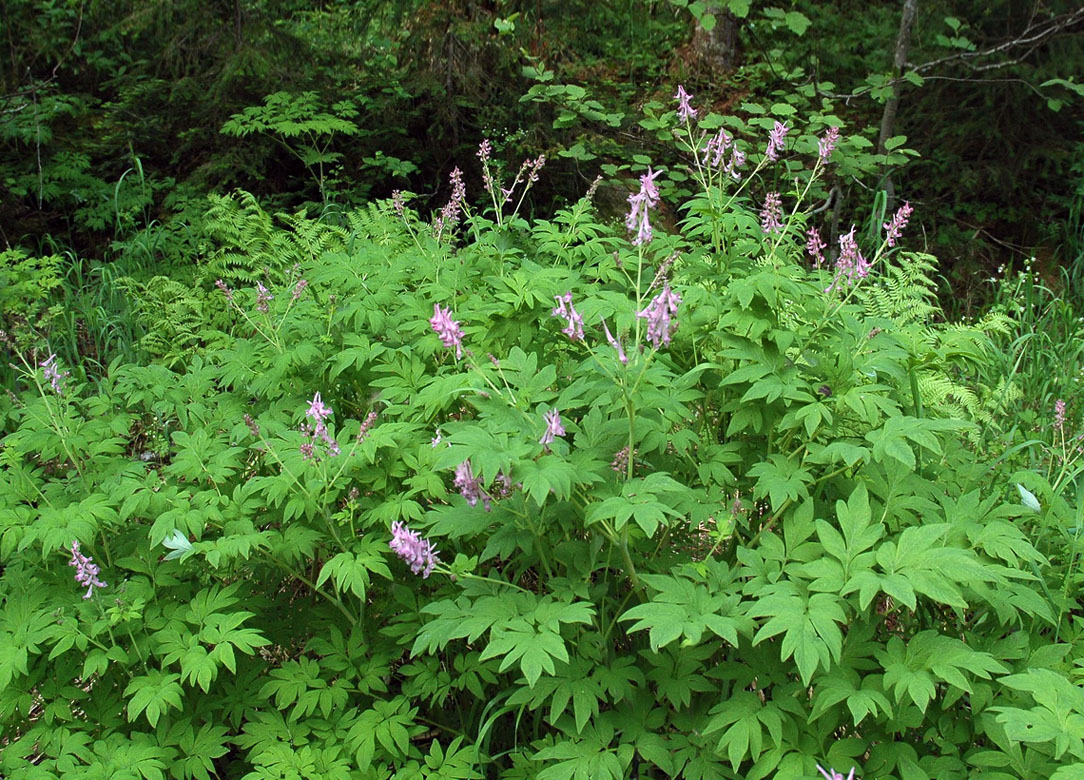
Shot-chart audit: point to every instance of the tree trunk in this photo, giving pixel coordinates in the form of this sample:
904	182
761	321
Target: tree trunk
717	51
237	39
888	117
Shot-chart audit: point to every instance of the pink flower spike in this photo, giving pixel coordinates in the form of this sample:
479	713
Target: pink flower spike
827	144
263	295
894	228
1059	414
417	552
565	310
639	203
470	486
615	344
221	285
447	329
850	264
657	313
317	410
815	247
685	112
553	428
86	571
771	216
50	372
715	148
831	774
776	141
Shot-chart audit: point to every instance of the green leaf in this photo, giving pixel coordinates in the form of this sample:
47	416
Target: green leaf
535	650
798	23
1028	499
810	626
152	694
178	543
681	608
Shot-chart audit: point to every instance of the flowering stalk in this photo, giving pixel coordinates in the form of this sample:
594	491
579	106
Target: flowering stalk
657	313
418	553
499	195
470	486
771	215
825	146
317	412
553	428
86	571
639	203
447	329
565	310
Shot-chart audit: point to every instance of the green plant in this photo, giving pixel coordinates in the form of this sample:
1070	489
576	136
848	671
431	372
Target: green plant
302	125
550	499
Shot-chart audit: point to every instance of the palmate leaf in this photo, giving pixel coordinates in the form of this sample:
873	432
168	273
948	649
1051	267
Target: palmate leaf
198	749
522	628
387	725
590	758
152	694
580	683
535	650
681	608
549	474
743	719
1058	716
809	624
921	558
178	545
351	570
928	659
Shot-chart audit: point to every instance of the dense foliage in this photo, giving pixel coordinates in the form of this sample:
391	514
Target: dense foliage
489	496
639	441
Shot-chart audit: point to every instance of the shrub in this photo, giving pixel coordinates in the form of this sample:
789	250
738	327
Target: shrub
527	498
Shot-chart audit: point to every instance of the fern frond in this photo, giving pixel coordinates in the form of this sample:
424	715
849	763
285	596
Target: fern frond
903	290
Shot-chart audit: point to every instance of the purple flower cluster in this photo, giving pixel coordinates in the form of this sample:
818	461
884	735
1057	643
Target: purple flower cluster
831	774
398	203
1059	415
894	228
565	310
553	428
485	149
447	328
639	203
616	344
470	486
715	151
86	571
620	462
221	285
298	289
850	264
449	215
827	144
528	169
657	313
366	426
815	247
771	216
685	112
263	295
317	413
52	375
417	552
776	141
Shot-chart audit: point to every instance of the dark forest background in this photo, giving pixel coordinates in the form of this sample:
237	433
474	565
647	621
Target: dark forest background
117	119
